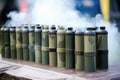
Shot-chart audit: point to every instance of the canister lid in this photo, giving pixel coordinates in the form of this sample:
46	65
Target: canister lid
53	27
102	27
39	27
70	28
95	28
90	28
25	27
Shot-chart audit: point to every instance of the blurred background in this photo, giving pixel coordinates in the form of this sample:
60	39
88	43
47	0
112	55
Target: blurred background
110	9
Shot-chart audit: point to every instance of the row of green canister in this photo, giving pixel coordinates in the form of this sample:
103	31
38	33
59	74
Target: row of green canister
71	49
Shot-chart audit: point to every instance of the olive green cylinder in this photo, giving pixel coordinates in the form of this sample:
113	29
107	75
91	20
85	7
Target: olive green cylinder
61	47
52	47
69	45
19	51
38	43
45	45
2	52
25	43
31	44
7	42
90	50
13	43
79	50
102	49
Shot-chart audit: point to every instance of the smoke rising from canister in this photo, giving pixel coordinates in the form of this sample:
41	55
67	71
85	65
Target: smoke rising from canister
62	12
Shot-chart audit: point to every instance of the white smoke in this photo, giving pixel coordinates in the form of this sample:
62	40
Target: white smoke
62	12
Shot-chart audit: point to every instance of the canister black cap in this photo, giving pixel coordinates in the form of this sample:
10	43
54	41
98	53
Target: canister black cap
53	27
38	27
70	28
102	27
13	27
95	28
32	26
25	27
90	28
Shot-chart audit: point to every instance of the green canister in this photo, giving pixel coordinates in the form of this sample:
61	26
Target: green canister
45	45
79	50
102	48
19	43
2	52
31	43
69	45
90	50
60	47
25	43
7	42
52	46
38	44
13	42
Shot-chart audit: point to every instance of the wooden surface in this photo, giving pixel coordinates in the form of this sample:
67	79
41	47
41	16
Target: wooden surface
44	72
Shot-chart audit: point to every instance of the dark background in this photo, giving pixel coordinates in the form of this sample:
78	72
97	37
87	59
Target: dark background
10	5
115	12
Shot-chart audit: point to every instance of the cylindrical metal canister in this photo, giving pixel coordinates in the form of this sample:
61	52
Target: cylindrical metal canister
31	44
52	46
61	47
7	42
25	43
102	49
79	50
69	45
90	50
2	42
45	45
13	42
19	43
38	43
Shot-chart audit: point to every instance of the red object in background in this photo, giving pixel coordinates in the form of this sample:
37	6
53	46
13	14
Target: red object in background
23	5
